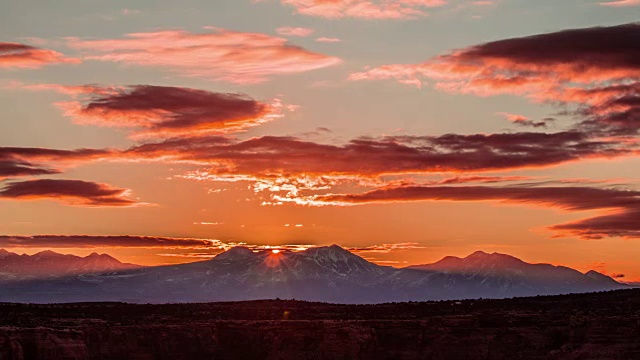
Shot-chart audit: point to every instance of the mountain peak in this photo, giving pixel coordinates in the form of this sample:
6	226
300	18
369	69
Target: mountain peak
4	253
493	257
235	253
334	247
95	255
333	252
480	253
600	277
46	254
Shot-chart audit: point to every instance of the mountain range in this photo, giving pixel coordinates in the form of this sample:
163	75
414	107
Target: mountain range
327	274
49	264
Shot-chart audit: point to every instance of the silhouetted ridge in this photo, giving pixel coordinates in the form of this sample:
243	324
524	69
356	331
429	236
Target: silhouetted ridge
327	273
48	264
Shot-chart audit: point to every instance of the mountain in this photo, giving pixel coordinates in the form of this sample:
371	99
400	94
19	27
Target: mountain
49	264
508	272
328	274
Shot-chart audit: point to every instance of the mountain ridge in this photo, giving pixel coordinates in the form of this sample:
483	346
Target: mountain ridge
51	264
327	273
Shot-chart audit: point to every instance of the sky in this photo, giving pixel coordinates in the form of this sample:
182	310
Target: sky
404	130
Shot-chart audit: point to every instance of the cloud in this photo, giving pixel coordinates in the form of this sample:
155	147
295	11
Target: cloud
218	54
621	208
129	12
525	64
162	111
17	162
118	241
70	192
479	179
619	223
328	40
14	168
525	121
294	31
15	55
621	3
594	72
364	9
386	248
377	156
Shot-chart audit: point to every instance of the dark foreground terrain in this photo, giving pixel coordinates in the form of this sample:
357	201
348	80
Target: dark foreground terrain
586	326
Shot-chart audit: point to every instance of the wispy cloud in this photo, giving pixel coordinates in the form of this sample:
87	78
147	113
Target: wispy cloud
621	3
16	55
364	9
217	54
328	40
117	241
294	31
386	248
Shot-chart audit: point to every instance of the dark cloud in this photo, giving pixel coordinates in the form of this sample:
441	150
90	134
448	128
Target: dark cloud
611	48
12	168
17	162
594	72
166	111
72	192
389	155
89	241
622	221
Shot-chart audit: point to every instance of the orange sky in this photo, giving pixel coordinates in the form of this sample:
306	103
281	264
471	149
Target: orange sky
405	137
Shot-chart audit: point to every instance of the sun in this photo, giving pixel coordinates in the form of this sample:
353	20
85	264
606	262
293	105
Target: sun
275	251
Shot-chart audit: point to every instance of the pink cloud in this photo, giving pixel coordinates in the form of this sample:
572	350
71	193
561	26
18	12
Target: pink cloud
364	9
15	55
328	40
294	31
219	55
621	3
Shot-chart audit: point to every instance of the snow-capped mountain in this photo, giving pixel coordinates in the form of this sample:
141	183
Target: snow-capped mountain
330	274
48	264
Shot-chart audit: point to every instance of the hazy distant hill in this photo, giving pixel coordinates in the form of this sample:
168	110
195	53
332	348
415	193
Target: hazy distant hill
330	274
510	273
48	264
